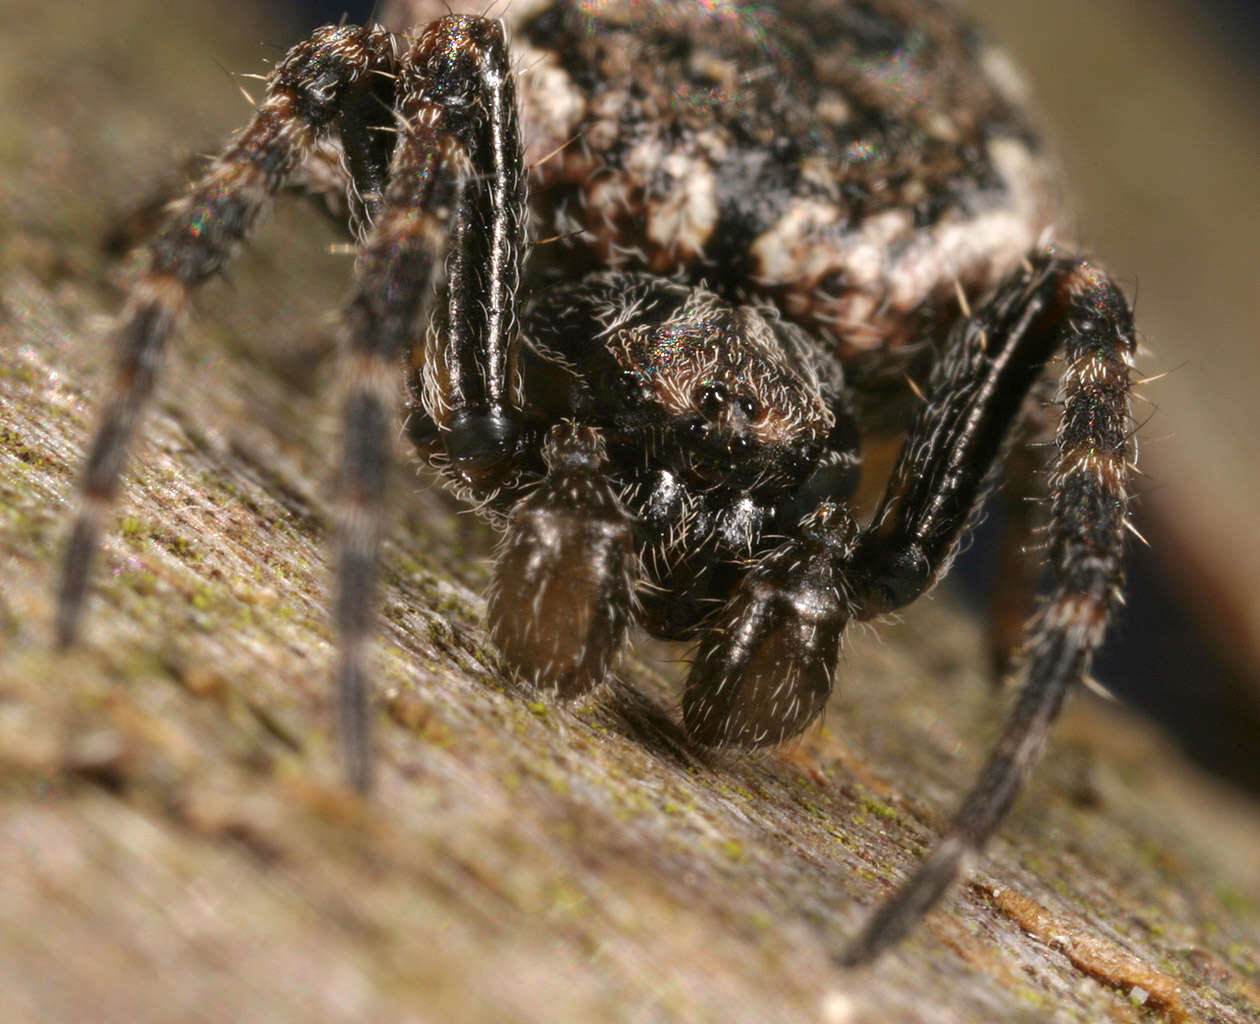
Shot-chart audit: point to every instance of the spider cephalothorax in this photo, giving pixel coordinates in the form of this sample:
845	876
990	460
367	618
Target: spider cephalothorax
758	221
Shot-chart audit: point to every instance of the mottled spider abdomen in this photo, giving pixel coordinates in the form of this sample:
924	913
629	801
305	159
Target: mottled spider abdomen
851	162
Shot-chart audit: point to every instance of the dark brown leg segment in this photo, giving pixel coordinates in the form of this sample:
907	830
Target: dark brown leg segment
451	223
1062	306
202	232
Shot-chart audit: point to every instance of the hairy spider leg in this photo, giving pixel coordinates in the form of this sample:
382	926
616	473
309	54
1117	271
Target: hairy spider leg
1020	541
991	362
454	206
469	384
561	599
201	233
367	135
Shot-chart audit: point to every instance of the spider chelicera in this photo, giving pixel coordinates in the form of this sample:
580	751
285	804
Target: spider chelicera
762	223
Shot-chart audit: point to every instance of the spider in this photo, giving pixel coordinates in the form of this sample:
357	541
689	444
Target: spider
763	224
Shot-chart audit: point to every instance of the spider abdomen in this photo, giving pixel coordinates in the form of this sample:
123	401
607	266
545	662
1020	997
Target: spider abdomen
851	176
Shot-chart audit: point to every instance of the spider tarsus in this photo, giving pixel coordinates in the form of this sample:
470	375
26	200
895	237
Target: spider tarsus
481	442
157	303
367	413
76	567
354	721
893	572
898	915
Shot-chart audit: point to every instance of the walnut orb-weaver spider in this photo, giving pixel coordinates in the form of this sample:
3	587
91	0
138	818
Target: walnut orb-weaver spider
761	222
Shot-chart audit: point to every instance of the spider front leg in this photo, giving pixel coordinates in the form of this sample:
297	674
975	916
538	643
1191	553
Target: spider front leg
304	100
452	216
991	363
560	603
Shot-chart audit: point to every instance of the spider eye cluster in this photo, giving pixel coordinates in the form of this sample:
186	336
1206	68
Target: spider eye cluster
724	418
715	400
724	390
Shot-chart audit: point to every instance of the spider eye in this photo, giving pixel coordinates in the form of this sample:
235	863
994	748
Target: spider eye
631	384
748	407
710	398
696	429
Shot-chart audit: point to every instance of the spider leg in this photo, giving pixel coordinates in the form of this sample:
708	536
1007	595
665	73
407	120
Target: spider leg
202	231
560	603
454	205
1019	553
323	178
991	363
470	363
367	134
